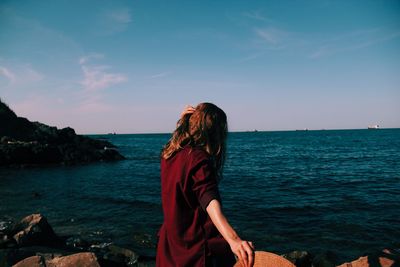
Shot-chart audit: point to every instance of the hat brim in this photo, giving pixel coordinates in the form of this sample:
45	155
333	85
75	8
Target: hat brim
268	259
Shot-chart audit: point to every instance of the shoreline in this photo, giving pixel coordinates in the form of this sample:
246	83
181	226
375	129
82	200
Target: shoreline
33	238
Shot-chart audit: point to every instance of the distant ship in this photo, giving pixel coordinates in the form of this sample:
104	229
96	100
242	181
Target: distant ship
373	127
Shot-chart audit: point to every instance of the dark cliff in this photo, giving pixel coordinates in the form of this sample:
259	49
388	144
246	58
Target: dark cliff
26	142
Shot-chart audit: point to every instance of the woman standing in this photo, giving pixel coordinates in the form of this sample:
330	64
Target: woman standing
195	231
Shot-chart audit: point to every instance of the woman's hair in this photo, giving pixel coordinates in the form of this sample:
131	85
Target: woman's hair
206	128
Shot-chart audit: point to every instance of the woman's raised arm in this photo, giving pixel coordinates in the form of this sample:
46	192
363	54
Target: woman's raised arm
244	250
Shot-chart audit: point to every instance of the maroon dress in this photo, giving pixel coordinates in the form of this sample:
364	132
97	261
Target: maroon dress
188	237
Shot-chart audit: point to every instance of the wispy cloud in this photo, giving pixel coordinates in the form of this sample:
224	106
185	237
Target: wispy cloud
353	41
315	45
85	59
96	77
256	15
270	35
93	104
121	15
20	74
114	21
272	38
8	74
160	75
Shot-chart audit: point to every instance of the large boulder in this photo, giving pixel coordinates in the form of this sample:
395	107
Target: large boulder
385	258
34	261
83	259
34	230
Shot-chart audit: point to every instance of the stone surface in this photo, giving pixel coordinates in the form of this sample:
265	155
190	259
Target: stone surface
34	261
83	259
327	259
386	258
121	255
23	142
34	230
299	258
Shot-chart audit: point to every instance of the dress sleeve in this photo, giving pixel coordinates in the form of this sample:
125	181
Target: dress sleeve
205	184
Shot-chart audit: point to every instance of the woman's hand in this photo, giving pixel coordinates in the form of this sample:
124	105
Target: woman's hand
244	250
187	110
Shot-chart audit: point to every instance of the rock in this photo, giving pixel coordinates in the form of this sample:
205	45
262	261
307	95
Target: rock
34	261
386	258
6	225
83	259
34	230
327	259
6	242
23	142
15	255
112	255
121	255
299	258
77	242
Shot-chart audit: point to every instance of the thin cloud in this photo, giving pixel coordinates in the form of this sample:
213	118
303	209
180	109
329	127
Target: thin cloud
353	41
21	74
160	75
93	104
256	15
97	77
10	76
271	36
114	21
121	16
276	39
85	59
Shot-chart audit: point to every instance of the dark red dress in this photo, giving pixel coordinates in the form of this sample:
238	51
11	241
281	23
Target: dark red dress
188	237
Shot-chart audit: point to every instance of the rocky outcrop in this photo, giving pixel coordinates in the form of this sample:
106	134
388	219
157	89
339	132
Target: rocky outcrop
83	259
386	258
32	242
34	261
299	258
34	230
24	142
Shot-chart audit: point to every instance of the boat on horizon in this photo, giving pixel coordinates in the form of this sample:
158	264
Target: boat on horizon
373	127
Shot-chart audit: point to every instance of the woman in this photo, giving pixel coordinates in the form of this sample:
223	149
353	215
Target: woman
191	166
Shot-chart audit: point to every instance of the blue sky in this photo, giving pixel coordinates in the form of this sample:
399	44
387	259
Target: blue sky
131	66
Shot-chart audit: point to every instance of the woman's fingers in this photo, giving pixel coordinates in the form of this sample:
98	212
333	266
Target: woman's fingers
244	250
243	256
250	254
187	110
251	245
239	255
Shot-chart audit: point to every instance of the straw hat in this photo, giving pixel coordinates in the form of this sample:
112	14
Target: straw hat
267	259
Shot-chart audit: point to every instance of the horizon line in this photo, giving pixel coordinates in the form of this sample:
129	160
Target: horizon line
254	131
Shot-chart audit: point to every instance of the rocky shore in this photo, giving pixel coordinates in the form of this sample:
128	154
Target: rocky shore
32	242
23	142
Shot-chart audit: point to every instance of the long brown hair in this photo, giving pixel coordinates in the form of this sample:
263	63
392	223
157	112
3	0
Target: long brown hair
206	128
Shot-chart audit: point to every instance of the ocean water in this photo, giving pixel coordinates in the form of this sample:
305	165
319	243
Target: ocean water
320	191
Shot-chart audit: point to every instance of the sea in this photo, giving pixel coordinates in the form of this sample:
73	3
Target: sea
332	192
